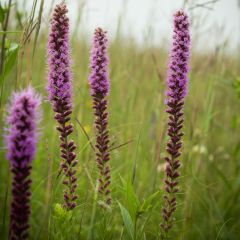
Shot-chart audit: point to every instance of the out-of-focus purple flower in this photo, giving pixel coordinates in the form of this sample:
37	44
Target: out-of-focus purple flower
177	90
99	87
21	140
60	95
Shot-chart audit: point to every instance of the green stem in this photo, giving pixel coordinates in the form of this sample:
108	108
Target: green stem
2	57
135	229
5	203
90	233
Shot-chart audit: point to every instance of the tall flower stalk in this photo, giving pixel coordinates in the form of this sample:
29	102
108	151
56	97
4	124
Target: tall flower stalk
177	91
99	85
60	95
21	141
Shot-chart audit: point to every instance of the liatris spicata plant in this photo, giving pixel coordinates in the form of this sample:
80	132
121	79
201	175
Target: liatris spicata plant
177	91
60	95
99	85
21	139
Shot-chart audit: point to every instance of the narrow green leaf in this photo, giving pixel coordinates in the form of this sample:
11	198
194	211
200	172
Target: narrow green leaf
133	202
10	32
2	14
11	57
127	220
38	26
147	204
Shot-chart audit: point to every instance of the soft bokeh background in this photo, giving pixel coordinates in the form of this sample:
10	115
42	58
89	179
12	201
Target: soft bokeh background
150	20
140	33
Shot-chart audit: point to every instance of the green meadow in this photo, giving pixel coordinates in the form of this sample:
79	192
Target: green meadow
208	206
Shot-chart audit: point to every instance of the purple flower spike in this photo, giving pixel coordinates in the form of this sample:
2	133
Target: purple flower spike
179	59
60	79
99	85
177	90
21	142
60	95
99	77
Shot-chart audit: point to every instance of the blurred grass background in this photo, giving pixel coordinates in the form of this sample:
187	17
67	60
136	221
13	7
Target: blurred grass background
208	206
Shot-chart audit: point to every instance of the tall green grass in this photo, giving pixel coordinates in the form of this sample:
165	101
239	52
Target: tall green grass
210	181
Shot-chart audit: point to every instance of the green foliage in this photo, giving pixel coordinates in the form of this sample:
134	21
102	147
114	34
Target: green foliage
2	14
236	86
63	223
136	209
147	204
11	57
60	213
128	222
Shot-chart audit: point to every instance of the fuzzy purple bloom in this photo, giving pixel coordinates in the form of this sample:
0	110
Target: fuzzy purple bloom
60	95
177	91
60	79
99	77
179	58
21	144
99	87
